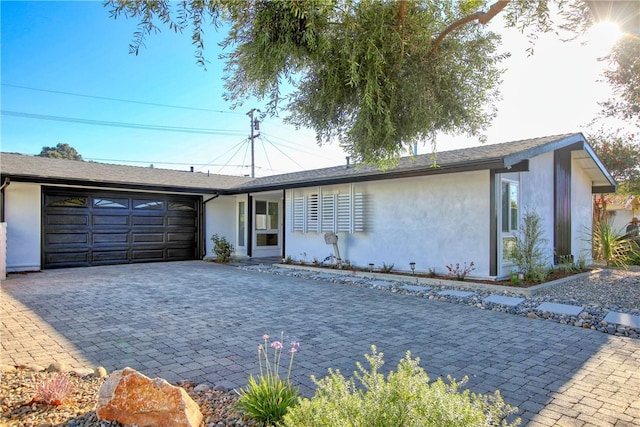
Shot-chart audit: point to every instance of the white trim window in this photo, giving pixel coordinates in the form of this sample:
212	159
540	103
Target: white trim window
509	215
321	212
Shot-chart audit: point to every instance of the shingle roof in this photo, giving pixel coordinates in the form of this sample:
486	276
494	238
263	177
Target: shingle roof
481	157
44	169
496	156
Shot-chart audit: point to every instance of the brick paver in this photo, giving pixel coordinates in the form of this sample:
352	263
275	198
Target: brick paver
202	321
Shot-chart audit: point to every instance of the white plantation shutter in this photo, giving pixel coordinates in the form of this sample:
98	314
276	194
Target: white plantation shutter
358	212
328	213
343	213
297	223
324	213
312	212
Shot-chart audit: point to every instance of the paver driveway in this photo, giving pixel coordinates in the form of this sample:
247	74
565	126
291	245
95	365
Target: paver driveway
202	321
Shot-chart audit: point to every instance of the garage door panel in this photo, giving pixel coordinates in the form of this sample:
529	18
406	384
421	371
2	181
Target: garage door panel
110	220
180	237
138	220
113	256
108	238
148	238
139	255
181	253
66	219
67	259
180	221
66	238
83	228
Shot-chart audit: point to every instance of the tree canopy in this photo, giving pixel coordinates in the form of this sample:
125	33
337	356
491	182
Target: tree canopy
620	153
374	75
624	77
60	151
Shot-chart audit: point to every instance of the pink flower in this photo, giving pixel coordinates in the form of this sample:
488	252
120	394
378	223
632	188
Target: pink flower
277	345
293	350
265	337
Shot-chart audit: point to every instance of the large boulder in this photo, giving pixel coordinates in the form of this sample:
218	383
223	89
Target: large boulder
129	397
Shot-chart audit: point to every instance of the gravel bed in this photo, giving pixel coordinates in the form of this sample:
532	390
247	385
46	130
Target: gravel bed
598	293
19	409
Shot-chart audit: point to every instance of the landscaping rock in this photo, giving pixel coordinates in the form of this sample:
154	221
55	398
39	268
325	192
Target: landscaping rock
7	368
57	367
129	397
100	372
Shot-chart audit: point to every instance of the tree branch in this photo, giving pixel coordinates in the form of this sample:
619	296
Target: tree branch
481	17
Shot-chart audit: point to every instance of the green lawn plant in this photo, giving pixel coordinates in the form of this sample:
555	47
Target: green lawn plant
266	399
405	398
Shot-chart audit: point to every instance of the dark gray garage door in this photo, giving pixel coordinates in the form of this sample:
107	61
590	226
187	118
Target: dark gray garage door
84	228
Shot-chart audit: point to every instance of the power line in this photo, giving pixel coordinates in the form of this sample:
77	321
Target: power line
154	162
179	129
106	98
234	146
295	146
285	154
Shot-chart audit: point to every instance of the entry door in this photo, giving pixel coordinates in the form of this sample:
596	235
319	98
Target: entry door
267	229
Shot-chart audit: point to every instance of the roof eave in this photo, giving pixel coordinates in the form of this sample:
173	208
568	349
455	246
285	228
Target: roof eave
109	184
468	166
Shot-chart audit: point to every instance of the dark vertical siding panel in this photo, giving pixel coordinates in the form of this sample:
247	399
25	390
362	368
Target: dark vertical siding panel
562	203
493	225
249	225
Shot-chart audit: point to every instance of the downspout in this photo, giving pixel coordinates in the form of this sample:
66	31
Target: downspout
5	184
203	221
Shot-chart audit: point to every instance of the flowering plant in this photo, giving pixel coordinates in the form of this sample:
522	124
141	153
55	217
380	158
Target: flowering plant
54	390
267	399
460	272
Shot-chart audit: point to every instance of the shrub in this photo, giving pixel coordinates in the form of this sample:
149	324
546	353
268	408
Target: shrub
405	398
527	252
267	399
459	272
612	247
54	390
386	268
221	248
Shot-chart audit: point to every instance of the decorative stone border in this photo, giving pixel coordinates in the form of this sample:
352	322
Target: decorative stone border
425	281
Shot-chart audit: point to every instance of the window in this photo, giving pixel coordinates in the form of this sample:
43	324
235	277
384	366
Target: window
148	204
509	216
67	202
338	212
273	216
181	206
261	215
111	203
241	223
509	206
267	217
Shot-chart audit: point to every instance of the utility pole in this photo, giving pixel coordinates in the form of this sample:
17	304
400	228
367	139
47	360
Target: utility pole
255	125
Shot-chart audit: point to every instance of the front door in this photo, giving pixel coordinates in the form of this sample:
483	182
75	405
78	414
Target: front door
267	228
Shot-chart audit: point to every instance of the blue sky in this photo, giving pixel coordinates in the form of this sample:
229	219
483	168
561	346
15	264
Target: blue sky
64	48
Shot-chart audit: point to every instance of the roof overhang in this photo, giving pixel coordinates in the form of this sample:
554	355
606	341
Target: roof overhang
108	184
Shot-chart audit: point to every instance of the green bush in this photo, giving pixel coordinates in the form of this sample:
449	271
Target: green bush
611	246
527	252
222	248
405	398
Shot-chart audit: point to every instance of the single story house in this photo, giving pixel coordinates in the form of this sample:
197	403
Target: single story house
465	207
